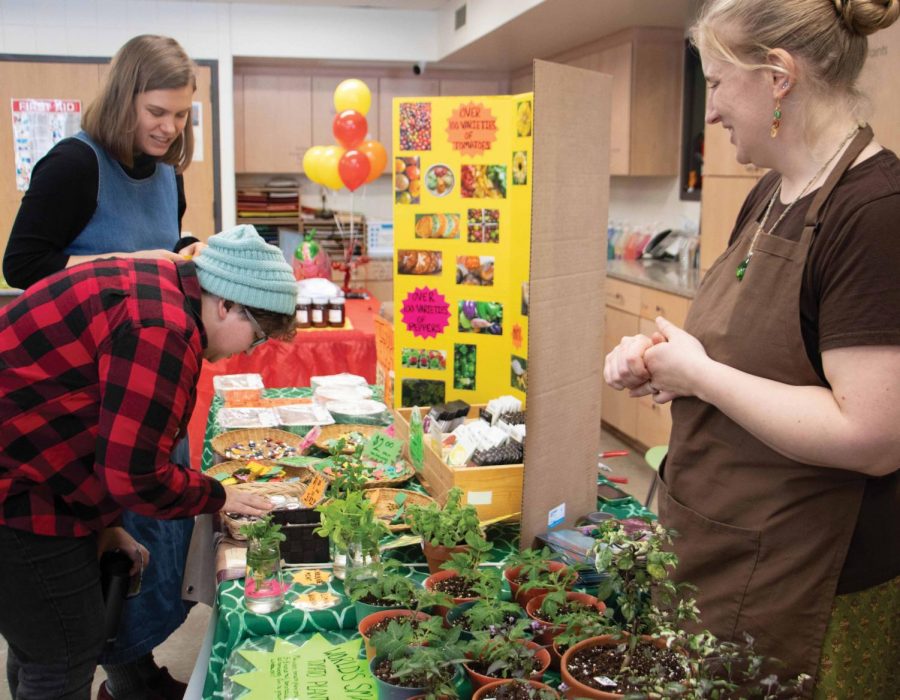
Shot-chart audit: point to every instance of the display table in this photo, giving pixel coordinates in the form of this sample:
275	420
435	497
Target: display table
312	353
233	623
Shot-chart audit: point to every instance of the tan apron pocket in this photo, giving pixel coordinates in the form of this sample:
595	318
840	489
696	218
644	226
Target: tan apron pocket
716	557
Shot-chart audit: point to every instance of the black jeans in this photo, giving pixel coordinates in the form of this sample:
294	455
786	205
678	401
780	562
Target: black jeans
51	614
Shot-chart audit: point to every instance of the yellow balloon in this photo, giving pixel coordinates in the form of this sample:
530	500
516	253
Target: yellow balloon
328	170
312	163
352	94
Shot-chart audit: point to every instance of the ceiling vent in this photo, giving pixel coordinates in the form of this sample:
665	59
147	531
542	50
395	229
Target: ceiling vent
460	17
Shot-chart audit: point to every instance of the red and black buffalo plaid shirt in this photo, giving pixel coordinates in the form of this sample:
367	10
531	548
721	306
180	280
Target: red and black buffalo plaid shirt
98	370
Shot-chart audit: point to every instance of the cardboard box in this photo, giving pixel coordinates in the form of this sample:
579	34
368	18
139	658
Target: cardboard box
494	491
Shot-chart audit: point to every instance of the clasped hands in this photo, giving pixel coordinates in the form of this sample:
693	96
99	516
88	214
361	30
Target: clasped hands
664	365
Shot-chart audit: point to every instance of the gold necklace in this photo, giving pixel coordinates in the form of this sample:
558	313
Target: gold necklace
742	267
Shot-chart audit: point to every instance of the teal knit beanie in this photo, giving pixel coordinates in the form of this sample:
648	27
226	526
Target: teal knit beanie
238	265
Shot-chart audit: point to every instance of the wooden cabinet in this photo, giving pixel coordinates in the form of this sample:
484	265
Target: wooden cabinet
632	309
388	89
645	65
721	201
276	128
457	86
719	155
323	112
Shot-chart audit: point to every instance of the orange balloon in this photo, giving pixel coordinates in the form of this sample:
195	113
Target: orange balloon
377	156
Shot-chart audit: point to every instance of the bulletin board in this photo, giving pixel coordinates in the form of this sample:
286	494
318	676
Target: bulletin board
46	77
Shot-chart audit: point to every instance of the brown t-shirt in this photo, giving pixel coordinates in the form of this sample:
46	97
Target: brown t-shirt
851	297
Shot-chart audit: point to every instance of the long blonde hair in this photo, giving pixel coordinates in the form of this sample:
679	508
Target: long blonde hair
146	62
829	36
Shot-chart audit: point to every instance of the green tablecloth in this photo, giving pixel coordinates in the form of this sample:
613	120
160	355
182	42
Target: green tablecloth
235	623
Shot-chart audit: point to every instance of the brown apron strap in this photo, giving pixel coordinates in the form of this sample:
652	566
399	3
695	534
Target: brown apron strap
860	141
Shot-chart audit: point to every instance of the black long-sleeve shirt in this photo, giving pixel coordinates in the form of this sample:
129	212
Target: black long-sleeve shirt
59	203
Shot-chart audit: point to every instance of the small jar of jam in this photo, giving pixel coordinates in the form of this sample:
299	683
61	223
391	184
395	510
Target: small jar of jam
336	311
318	314
304	306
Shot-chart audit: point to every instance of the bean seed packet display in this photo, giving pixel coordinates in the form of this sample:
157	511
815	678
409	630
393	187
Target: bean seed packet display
462	235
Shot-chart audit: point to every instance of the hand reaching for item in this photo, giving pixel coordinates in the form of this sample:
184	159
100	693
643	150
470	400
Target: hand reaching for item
240	501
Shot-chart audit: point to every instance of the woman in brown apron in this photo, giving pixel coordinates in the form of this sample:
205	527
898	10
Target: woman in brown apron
781	477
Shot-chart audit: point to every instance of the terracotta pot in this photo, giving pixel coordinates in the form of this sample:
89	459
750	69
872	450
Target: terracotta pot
512	575
543	656
576	689
438	555
487	691
370	621
429	582
550	630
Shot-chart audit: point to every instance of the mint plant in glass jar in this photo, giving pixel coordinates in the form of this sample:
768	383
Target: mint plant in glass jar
263	583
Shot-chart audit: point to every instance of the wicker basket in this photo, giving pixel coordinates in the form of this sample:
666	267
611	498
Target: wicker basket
261	488
386	506
334	432
408	473
221	443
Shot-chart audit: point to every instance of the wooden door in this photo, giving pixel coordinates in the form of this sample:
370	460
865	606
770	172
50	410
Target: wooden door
199	179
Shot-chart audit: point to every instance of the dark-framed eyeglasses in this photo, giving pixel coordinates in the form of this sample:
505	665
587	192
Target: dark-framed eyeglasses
261	336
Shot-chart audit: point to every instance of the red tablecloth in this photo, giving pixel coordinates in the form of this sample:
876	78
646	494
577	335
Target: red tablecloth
311	354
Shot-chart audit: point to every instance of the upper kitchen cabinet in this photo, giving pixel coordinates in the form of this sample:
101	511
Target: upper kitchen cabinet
645	65
461	87
388	89
273	127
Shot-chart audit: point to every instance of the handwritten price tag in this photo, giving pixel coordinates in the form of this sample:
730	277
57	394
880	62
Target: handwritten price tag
316	601
314	491
312	577
383	449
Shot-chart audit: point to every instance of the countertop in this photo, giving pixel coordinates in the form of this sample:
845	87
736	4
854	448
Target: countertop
666	276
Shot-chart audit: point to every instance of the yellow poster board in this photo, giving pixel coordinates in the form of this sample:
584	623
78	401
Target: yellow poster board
462	236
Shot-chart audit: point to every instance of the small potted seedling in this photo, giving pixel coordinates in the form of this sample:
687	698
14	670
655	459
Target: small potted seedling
459	577
508	655
515	689
444	530
486	613
528	570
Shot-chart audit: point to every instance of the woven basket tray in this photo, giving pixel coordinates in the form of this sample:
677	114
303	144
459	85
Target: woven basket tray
260	488
334	432
386	506
221	443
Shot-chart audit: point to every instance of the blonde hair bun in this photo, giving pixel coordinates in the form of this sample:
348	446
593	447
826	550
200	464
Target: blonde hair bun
866	17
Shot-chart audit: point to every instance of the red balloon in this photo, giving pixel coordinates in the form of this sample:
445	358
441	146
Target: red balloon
354	169
350	128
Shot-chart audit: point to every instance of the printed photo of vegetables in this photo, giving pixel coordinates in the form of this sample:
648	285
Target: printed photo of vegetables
439	180
483	181
419	262
437	226
464	366
481	317
483	225
415	126
421	358
475	270
520	168
518	373
407	180
422	392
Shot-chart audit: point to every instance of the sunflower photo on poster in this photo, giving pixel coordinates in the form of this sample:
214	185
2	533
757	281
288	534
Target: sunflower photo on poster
520	168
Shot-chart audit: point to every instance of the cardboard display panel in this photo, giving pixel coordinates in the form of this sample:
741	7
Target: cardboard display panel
568	270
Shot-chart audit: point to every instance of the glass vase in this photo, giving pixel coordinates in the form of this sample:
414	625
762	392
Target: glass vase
263	582
346	559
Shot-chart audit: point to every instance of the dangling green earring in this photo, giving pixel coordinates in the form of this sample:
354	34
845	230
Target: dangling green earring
776	119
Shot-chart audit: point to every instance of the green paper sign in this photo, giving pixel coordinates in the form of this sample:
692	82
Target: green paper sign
383	449
316	670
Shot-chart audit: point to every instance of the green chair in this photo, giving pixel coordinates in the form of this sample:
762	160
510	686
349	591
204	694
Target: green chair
654	457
